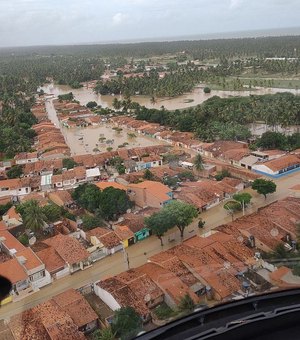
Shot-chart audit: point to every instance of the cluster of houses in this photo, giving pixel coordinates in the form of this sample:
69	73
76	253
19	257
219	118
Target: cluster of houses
64	316
272	163
72	114
221	265
50	143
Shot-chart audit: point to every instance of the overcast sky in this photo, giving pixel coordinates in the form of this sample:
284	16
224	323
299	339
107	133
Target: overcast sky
42	22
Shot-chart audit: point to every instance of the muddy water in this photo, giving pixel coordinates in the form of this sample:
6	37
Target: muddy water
86	140
258	129
197	96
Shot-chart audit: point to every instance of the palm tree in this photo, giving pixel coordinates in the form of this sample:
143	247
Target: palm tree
33	216
153	100
198	162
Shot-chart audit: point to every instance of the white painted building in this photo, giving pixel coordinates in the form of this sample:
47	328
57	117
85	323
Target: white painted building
14	187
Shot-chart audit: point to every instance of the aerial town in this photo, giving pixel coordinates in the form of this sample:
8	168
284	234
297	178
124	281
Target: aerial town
120	201
119	261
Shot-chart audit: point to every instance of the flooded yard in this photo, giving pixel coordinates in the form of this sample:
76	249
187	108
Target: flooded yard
94	139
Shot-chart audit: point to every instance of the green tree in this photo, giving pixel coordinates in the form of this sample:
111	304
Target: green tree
148	175
121	169
186	304
182	214
198	162
117	104
159	223
103	334
232	207
87	196
91	104
33	216
113	203
126	323
15	172
243	198
264	187
52	212
91	222
68	96
69	163
24	239
272	140
5	207
222	174
206	90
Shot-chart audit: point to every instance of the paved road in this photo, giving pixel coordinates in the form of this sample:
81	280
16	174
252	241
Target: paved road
140	252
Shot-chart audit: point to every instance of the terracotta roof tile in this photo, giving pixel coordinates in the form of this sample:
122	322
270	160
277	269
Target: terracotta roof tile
53	262
70	250
123	232
282	162
75	305
13	270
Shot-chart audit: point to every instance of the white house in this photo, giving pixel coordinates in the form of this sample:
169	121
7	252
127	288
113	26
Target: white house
14	187
26	157
277	167
92	174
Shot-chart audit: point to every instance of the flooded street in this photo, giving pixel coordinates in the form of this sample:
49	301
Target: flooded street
95	139
197	96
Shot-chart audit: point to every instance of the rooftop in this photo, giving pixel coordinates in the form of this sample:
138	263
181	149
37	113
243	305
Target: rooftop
104	185
281	163
68	248
53	262
75	305
13	270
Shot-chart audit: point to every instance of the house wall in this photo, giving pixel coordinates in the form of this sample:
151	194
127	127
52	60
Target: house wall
15	192
25	161
142	234
106	298
125	243
62	273
264	169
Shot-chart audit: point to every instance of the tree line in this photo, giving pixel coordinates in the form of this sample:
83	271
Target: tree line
228	118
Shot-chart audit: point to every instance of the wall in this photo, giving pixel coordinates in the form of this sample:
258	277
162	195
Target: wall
62	273
106	298
264	169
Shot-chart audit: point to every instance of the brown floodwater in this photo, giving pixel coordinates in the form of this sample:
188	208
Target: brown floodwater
197	96
95	139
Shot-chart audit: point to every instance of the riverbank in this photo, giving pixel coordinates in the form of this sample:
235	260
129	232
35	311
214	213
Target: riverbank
196	97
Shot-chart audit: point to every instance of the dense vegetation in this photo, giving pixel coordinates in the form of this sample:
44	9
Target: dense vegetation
203	49
223	63
108	204
225	118
16	120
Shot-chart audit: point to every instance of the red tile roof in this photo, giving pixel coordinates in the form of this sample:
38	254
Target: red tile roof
53	262
68	248
13	270
282	162
75	305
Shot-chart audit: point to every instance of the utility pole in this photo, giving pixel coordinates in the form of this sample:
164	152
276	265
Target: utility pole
126	258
